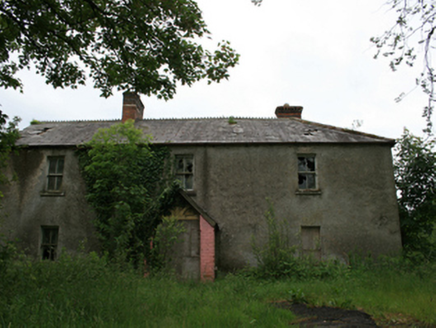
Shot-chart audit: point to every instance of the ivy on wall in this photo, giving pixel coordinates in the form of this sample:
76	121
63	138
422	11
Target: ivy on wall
130	188
8	135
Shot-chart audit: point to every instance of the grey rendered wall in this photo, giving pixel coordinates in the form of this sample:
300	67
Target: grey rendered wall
356	208
26	210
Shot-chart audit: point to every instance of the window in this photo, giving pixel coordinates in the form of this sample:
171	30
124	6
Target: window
185	171
306	172
55	173
49	242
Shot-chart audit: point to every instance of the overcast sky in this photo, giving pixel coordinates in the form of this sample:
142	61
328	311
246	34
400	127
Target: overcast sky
314	54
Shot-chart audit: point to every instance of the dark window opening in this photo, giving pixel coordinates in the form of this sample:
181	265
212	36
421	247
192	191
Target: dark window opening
49	242
185	171
55	173
306	172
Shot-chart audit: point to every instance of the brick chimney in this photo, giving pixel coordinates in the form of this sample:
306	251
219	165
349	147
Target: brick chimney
133	108
287	111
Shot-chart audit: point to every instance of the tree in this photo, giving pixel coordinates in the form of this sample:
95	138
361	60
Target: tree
415	179
128	187
410	40
145	46
8	135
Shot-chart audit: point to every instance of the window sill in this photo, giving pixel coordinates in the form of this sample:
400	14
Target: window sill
46	193
190	192
308	192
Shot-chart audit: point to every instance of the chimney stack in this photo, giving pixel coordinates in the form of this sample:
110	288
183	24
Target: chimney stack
133	108
287	111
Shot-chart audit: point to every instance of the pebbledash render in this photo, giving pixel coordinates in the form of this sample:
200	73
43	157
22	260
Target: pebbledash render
333	187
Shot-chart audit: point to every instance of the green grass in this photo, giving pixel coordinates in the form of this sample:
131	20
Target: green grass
86	291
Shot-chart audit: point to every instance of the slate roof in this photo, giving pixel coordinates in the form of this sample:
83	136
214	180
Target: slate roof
201	131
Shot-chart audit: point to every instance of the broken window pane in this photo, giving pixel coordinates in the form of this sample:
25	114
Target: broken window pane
302	181
180	165
310	163
306	172
49	242
189	165
185	171
302	164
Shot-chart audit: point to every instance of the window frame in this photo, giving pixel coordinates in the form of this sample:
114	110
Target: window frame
50	247
56	175
182	175
308	172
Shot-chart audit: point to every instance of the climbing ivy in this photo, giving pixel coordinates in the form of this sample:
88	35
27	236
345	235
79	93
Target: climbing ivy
8	135
130	188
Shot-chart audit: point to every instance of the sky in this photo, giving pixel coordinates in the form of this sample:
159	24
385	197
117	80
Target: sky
314	54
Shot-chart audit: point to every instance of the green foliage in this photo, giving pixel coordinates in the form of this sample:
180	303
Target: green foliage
129	187
73	291
87	291
297	296
277	251
8	135
147	46
166	236
415	179
277	258
34	122
232	120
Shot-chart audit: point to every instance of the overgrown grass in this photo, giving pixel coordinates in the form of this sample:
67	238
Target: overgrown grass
87	291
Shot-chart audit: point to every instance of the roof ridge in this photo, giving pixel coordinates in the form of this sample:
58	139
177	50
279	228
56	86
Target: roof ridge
207	118
159	119
37	122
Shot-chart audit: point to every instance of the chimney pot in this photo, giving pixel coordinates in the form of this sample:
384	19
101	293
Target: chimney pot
133	108
287	111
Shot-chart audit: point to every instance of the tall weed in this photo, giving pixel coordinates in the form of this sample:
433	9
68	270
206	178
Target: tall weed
276	258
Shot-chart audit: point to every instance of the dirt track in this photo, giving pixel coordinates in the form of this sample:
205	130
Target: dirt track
334	317
327	316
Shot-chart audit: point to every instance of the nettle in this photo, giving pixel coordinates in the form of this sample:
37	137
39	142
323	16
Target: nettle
130	188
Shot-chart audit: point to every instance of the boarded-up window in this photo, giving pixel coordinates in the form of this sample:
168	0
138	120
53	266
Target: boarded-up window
185	171
311	241
49	242
55	173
